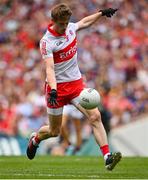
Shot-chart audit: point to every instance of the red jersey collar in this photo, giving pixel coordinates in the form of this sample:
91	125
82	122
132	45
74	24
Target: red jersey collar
53	32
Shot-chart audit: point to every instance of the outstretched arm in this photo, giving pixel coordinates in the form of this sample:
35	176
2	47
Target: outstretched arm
89	20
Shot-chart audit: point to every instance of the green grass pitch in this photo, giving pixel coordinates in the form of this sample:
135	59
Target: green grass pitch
71	167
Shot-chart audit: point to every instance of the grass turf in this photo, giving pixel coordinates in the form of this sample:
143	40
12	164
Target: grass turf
71	167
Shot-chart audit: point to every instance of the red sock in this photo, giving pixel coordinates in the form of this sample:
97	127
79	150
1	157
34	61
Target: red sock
105	149
36	139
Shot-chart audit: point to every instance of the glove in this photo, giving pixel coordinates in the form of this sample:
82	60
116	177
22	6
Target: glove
53	97
108	12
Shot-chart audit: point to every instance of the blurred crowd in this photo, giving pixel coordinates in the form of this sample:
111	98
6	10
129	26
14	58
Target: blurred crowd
112	54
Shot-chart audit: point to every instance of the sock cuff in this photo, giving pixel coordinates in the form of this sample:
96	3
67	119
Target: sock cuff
36	140
106	156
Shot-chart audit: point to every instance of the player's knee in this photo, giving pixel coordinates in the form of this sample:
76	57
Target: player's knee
95	117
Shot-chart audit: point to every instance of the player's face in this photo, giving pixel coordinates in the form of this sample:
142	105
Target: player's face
61	25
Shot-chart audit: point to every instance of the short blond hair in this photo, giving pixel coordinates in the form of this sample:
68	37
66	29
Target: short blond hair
60	11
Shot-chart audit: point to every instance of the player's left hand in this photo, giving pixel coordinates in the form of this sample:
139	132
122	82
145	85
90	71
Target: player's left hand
108	12
53	97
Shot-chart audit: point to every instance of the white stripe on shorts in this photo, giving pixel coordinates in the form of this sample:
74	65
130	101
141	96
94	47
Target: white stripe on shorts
55	112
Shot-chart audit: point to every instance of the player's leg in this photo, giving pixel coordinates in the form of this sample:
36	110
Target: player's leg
94	118
77	121
51	130
64	131
77	124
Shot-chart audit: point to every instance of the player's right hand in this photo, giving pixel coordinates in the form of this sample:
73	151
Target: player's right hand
53	97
